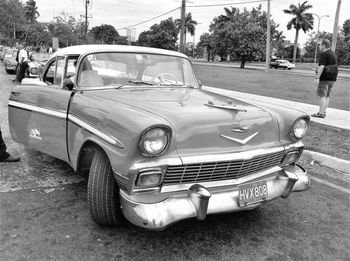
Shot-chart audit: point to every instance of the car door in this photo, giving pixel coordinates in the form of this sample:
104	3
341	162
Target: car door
38	114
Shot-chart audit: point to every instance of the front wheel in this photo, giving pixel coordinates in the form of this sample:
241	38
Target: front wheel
103	191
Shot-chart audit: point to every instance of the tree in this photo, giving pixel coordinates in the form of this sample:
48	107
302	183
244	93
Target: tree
278	44
346	30
301	20
206	43
63	28
241	34
190	25
162	36
11	17
31	11
105	34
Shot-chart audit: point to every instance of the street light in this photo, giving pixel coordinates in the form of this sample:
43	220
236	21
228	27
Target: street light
318	32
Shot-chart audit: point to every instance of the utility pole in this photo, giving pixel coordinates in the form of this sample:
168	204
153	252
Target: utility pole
335	27
87	2
267	66
182	28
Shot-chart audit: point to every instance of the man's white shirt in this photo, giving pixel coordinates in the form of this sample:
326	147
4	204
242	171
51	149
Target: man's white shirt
23	54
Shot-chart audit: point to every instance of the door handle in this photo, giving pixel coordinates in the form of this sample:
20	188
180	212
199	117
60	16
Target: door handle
15	93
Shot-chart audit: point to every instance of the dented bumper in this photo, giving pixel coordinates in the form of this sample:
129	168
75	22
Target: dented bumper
200	201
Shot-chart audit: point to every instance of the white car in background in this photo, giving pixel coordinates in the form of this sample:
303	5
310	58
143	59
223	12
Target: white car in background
285	64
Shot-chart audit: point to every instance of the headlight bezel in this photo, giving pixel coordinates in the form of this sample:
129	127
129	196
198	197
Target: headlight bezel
293	136
167	131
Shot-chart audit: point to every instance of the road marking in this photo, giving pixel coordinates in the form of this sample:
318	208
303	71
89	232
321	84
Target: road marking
324	182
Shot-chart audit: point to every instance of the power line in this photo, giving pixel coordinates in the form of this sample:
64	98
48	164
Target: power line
236	3
149	19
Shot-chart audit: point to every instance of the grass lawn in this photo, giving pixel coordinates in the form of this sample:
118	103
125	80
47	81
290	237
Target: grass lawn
274	84
328	140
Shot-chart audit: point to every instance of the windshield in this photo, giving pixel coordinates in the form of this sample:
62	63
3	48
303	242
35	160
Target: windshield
130	69
40	56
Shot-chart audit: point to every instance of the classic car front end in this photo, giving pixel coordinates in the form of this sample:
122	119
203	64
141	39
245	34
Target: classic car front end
156	146
10	60
36	64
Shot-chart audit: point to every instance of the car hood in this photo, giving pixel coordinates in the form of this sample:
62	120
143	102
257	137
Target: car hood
203	122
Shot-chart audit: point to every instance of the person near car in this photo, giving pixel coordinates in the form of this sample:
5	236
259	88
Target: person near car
23	60
4	155
326	76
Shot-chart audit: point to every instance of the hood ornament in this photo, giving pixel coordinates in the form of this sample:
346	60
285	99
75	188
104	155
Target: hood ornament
240	129
242	142
230	106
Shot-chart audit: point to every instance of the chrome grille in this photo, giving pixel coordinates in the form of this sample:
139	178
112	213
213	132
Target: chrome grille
224	170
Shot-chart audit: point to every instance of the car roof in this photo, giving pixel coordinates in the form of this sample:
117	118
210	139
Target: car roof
82	49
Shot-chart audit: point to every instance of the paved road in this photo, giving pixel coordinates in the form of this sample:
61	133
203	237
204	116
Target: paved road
44	216
343	73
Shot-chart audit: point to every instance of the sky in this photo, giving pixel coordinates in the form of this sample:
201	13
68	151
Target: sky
124	13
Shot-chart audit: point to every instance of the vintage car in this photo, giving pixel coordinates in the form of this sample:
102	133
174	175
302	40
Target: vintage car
156	146
10	60
36	64
284	64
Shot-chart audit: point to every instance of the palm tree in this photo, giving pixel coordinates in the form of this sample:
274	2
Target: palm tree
301	20
228	16
31	11
190	25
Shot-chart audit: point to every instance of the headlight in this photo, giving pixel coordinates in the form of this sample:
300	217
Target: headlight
154	141
299	129
34	71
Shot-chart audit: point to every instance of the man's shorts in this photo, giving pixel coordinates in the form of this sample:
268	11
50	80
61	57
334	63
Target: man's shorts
324	88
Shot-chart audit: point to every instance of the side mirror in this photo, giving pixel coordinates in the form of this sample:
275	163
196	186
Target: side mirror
200	84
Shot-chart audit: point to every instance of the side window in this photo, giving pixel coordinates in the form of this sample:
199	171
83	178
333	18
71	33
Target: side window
50	73
59	71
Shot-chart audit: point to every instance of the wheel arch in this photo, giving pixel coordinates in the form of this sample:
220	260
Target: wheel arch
86	154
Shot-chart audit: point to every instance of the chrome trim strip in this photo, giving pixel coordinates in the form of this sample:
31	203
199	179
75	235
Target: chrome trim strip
226	107
230	182
106	137
24	106
245	155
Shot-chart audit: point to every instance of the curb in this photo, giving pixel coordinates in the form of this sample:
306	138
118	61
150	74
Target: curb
326	160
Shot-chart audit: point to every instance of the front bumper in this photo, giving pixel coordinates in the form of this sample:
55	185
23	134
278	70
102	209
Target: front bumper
199	201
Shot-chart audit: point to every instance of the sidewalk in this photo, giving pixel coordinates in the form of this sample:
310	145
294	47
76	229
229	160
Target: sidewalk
335	118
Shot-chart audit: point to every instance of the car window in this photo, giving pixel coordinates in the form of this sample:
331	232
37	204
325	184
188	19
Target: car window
59	71
50	73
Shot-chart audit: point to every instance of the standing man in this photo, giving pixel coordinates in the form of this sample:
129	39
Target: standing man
326	75
23	63
4	156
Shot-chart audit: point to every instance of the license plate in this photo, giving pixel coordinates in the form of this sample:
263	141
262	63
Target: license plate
252	193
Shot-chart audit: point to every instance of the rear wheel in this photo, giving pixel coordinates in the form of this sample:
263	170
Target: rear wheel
103	191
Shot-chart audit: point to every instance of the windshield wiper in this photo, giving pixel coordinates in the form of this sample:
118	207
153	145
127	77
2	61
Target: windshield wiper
135	83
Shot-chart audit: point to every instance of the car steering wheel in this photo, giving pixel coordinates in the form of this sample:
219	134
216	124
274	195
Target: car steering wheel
163	80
